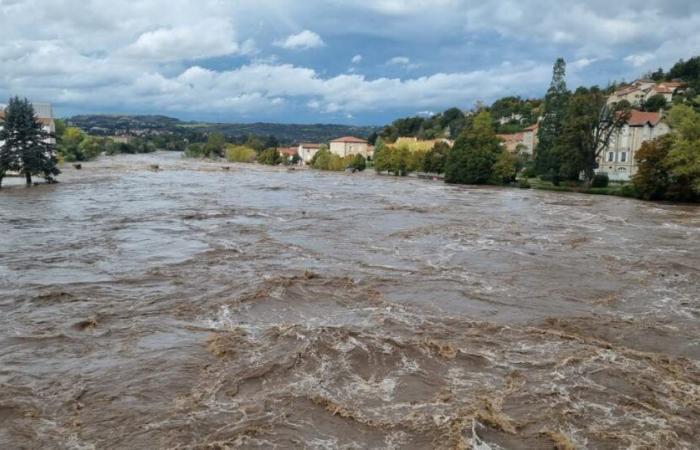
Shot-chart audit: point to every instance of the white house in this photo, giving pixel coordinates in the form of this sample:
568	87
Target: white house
307	151
348	145
641	90
617	160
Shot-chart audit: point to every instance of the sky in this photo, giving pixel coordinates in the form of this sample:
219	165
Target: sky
325	61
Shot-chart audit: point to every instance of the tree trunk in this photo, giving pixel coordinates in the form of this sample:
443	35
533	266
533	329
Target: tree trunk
1	177
28	176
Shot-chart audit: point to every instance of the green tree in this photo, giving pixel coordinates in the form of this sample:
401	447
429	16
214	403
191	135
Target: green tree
381	156
358	162
91	147
254	143
69	144
654	103
240	153
216	143
683	158
27	148
434	161
547	161
652	178
474	154
589	126
270	157
505	168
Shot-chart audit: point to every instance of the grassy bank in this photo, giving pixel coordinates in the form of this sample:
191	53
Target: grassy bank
617	189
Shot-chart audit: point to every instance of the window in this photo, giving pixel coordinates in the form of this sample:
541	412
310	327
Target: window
623	157
611	156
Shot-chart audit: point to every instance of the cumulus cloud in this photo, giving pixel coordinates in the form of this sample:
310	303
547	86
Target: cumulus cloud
301	41
402	61
217	55
205	39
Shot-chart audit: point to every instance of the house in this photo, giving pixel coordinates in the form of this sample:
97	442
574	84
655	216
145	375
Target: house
641	90
522	142
617	160
530	139
307	151
349	145
513	142
513	118
287	153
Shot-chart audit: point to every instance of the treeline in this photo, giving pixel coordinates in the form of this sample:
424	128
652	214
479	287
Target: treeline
75	145
150	126
477	156
325	160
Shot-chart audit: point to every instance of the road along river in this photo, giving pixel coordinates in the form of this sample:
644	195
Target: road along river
197	307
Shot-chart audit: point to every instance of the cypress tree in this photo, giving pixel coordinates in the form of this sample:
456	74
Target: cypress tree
27	148
547	161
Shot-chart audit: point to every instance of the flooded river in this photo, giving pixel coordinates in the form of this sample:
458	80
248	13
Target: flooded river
197	307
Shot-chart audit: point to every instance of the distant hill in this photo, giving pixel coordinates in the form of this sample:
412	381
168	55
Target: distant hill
111	125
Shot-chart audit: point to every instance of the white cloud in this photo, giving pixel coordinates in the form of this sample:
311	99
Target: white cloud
156	55
402	61
205	39
301	41
639	60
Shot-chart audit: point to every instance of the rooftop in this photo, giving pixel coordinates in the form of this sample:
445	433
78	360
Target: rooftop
350	140
641	118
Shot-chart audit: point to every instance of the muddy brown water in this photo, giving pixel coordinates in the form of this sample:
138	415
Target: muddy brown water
196	307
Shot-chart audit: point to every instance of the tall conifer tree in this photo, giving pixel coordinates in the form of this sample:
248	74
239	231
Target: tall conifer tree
27	148
555	104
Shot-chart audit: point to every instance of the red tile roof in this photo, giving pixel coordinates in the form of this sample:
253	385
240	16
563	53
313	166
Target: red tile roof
350	139
641	118
289	151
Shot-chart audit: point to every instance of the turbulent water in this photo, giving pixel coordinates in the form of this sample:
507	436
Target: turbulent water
198	307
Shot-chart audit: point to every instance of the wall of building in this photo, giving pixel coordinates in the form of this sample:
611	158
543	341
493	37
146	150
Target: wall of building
344	149
618	159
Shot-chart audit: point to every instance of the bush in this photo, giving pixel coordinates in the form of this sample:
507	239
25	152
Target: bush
194	151
529	171
524	184
358	163
240	153
600	180
271	157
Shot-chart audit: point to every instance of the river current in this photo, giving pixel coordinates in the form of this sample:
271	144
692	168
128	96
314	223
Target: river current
214	305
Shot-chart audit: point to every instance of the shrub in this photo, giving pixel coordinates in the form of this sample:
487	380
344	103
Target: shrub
271	157
358	162
240	153
524	184
600	180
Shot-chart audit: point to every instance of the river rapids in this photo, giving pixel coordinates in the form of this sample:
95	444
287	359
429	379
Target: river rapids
202	306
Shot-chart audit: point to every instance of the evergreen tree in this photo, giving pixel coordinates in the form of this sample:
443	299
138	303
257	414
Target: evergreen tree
27	148
473	156
381	156
547	162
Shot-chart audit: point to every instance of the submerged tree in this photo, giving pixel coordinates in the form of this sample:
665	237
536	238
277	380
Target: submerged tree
27	148
473	156
554	111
